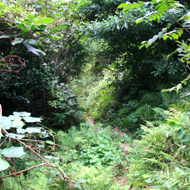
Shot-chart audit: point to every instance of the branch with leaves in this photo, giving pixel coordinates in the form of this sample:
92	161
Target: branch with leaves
15	123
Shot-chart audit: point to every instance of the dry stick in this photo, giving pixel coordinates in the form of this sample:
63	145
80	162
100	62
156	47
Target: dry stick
49	163
3	141
32	140
20	172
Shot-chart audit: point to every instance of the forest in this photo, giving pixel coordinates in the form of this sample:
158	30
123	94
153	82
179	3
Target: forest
94	94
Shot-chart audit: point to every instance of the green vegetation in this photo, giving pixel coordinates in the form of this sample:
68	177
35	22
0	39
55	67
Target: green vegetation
107	85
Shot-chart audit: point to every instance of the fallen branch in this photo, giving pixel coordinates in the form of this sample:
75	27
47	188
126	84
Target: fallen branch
22	171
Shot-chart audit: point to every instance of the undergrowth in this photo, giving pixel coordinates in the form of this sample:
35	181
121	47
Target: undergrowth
160	160
93	145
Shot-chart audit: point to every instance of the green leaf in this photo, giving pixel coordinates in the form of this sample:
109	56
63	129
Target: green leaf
32	119
31	18
165	90
50	142
173	124
186	139
4	165
13	152
17	41
58	28
180	134
23	27
44	21
143	45
33	42
139	20
5	122
123	5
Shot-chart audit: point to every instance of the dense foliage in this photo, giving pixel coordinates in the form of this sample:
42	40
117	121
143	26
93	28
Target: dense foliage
92	72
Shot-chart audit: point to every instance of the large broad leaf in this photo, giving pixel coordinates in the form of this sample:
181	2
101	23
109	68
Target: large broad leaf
22	114
15	136
32	119
5	122
17	123
33	129
30	130
44	21
13	152
3	165
14	117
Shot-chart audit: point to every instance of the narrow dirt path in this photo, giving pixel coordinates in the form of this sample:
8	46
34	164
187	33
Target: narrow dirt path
90	120
121	180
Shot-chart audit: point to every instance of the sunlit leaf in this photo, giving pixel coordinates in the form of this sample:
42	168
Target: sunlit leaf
31	18
33	130
4	36
5	122
4	165
32	119
44	21
17	123
22	114
58	28
15	136
17	41
50	142
13	152
35	51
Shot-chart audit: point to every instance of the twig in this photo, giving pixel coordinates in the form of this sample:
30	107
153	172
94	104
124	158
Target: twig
22	171
32	140
51	135
3	141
